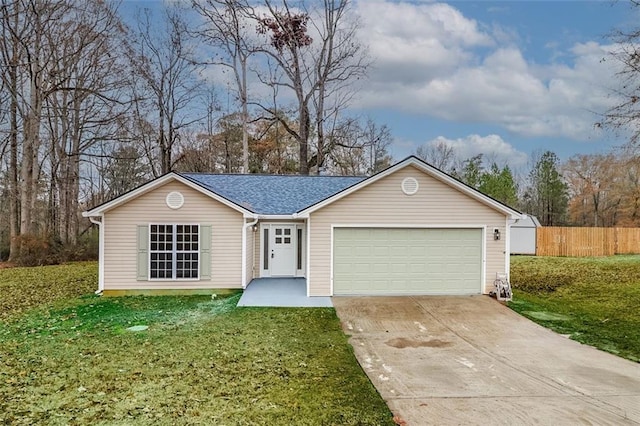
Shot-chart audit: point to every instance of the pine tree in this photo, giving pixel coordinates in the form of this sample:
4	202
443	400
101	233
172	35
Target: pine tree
547	196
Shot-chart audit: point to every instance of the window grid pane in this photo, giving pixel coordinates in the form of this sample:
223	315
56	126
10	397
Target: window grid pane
174	252
265	254
187	250
299	248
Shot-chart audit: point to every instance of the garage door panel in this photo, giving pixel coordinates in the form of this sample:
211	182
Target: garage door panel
407	261
418	269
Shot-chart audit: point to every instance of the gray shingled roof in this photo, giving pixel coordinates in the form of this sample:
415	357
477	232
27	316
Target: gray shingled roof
273	194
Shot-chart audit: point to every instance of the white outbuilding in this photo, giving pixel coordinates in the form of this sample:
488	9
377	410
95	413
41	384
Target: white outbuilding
523	236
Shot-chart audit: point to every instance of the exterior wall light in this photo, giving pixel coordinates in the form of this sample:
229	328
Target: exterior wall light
496	234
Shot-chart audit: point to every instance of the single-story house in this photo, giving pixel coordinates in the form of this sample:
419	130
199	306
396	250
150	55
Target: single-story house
410	229
524	233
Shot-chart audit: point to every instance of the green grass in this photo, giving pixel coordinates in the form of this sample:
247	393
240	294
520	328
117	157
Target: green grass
595	301
73	361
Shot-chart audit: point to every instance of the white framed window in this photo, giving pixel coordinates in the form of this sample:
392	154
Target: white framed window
174	251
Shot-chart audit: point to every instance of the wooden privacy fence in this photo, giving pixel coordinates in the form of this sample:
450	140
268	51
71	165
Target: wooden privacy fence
581	242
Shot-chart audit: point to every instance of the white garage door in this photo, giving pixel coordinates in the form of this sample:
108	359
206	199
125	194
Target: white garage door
377	261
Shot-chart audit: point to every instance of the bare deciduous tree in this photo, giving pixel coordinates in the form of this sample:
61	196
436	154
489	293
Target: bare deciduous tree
84	106
439	154
360	149
27	26
591	180
625	116
12	32
226	27
317	72
62	82
162	58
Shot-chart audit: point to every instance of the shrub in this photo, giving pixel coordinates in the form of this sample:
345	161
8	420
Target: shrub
37	251
85	249
34	251
4	251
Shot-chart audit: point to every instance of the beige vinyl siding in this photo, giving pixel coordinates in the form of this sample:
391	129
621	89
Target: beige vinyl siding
436	204
120	238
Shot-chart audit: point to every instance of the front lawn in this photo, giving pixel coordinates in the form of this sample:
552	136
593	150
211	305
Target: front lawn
22	289
199	361
593	300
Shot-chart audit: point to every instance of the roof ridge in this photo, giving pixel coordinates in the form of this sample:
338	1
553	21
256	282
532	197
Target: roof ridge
271	175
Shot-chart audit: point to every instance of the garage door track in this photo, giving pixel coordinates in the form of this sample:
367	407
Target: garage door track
471	360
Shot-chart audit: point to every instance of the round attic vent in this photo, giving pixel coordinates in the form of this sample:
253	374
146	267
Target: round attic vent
409	186
175	200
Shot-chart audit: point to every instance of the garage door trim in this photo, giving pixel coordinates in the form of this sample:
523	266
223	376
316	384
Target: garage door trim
482	228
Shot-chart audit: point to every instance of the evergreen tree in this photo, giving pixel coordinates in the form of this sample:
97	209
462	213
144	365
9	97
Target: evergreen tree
499	184
471	172
547	196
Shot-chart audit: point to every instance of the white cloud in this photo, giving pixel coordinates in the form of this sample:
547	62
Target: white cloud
492	147
433	61
406	39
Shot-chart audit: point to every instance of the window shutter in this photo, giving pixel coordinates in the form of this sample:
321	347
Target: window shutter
143	253
205	252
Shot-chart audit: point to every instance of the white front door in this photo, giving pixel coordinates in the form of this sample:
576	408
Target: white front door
283	253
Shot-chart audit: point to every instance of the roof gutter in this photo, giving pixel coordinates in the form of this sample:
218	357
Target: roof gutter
276	216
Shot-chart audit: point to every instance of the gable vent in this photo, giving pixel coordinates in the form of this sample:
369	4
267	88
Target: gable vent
175	200
409	186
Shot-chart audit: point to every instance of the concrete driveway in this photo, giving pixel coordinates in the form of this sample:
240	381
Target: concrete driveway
471	360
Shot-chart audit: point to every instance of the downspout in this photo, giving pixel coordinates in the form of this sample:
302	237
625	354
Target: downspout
307	223
307	276
245	226
100	254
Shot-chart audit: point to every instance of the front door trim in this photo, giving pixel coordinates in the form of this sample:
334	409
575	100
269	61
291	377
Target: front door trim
278	239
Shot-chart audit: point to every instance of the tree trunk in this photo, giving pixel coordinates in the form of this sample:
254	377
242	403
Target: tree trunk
162	143
30	145
14	190
245	119
304	140
73	189
320	130
31	141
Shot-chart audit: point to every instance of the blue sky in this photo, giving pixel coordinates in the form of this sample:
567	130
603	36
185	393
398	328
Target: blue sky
504	79
500	78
